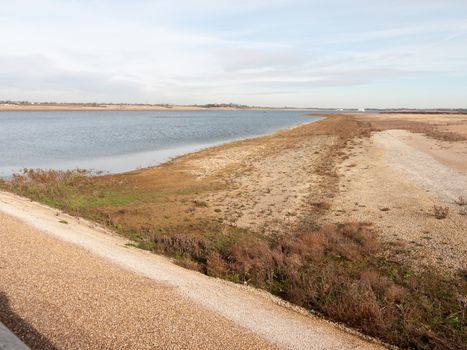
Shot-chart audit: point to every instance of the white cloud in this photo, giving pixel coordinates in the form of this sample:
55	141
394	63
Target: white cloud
154	51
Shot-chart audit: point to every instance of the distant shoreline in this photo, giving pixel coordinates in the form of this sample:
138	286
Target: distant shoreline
6	106
127	107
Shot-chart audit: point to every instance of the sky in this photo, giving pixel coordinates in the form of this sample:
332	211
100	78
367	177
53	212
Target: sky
301	53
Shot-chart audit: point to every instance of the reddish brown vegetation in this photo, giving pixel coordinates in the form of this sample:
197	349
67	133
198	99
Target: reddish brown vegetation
337	271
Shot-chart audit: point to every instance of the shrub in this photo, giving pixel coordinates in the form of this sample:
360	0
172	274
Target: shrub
215	265
194	247
338	271
252	261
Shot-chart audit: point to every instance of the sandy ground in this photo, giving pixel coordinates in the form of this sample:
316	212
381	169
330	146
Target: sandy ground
268	185
393	180
75	286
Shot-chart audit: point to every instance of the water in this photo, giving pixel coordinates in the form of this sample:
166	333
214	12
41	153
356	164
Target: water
122	141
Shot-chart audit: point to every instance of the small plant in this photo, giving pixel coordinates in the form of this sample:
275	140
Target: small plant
63	222
200	204
440	212
321	205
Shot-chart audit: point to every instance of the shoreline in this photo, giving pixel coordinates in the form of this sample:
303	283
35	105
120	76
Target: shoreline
168	154
130	108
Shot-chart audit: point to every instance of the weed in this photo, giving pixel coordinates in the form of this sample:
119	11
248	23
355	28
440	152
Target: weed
200	204
440	212
321	205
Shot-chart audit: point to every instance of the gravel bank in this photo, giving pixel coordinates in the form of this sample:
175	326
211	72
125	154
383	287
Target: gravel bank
106	295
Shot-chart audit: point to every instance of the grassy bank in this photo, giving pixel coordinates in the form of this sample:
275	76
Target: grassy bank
340	271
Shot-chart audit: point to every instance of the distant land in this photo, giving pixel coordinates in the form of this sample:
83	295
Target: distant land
11	106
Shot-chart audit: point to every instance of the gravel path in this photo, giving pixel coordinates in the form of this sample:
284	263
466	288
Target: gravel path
422	168
395	186
87	289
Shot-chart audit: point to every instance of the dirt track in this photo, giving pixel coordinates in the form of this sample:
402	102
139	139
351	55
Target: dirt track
444	181
393	180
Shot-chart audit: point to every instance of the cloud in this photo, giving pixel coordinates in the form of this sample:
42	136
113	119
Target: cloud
42	78
247	59
291	51
458	27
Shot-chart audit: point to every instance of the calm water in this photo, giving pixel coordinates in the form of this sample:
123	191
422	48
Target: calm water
122	141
